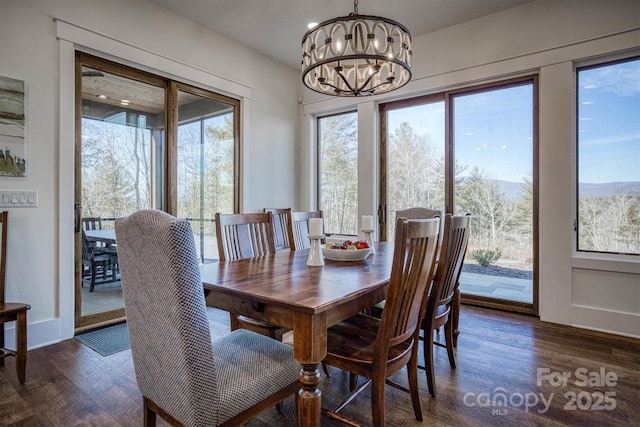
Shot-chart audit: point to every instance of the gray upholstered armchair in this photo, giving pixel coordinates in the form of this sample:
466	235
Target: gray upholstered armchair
183	375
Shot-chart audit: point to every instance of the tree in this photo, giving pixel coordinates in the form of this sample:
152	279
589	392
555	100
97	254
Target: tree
339	173
609	224
115	169
493	212
416	171
206	166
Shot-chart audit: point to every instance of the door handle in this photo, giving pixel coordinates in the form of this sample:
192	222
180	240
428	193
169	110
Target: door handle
382	214
78	218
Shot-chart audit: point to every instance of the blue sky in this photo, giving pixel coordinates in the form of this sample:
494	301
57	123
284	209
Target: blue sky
494	129
609	123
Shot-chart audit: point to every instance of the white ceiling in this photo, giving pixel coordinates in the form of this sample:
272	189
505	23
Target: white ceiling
276	27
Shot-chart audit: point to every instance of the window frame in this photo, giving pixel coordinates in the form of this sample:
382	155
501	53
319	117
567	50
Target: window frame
585	254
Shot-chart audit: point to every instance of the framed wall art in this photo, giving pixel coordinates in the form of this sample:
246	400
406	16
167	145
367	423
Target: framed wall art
12	119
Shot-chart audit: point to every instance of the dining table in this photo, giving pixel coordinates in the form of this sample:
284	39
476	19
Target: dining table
106	236
281	289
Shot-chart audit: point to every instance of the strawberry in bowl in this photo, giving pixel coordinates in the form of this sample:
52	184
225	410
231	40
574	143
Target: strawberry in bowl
347	250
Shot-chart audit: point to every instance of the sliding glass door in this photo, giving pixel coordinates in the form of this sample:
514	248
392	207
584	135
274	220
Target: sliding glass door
144	142
120	146
470	151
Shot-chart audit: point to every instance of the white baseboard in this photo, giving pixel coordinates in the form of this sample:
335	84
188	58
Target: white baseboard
39	334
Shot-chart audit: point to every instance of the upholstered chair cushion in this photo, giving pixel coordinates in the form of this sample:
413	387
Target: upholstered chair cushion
178	367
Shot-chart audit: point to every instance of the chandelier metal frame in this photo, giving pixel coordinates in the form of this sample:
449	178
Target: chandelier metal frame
356	55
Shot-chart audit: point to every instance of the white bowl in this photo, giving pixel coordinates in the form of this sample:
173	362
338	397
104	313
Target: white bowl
346	254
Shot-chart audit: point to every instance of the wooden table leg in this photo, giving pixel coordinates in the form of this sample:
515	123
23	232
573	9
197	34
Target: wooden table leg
233	322
1	343
309	396
309	348
21	346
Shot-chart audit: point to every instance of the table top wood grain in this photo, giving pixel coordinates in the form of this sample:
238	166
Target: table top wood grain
284	279
282	289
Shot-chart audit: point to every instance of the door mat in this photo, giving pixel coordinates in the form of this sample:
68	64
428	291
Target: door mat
108	340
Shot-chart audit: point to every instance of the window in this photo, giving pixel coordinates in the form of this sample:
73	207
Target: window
608	144
338	172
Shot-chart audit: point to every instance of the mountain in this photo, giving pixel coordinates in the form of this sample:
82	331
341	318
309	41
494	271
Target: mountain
588	191
514	190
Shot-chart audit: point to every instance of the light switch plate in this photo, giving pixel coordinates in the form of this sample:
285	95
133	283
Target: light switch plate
18	199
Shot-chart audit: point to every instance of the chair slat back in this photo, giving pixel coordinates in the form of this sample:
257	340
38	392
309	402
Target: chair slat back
4	217
422	213
92	223
245	235
418	213
454	247
299	231
416	243
166	316
281	226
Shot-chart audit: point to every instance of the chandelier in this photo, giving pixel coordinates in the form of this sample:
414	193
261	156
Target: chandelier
356	55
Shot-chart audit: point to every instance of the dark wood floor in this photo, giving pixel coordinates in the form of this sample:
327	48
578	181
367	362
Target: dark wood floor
499	354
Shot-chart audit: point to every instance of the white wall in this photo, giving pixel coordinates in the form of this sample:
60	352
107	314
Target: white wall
37	41
546	38
543	37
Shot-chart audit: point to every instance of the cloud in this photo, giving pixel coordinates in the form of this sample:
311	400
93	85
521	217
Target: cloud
617	139
621	79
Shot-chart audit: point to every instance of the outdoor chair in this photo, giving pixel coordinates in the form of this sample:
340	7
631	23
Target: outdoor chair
96	261
92	223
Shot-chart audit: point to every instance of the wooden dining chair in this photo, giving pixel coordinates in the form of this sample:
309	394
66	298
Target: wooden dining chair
247	235
244	235
281	227
378	348
12	311
442	309
299	237
410	213
184	376
299	228
418	213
